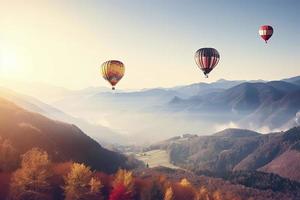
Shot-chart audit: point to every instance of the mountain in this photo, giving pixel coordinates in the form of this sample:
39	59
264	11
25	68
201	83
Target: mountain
250	104
63	142
294	80
244	97
236	133
237	150
275	114
141	115
34	105
286	165
43	91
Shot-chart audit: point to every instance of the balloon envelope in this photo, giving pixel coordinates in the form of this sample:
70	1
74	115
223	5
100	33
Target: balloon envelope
207	59
265	32
113	71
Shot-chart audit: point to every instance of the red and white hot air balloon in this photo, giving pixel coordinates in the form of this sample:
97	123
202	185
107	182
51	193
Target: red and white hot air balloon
207	59
265	32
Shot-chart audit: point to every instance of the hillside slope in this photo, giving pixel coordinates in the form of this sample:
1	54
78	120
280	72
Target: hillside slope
236	150
286	165
34	105
62	141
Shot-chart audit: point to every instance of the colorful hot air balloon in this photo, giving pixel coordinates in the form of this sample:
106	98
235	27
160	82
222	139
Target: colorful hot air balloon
265	32
113	71
207	59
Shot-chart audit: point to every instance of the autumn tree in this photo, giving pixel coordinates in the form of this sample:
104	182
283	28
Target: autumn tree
185	183
80	184
8	156
32	180
185	190
120	192
169	194
122	186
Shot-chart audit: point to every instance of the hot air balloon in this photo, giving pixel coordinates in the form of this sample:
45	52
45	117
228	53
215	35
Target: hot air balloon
265	32
113	71
207	59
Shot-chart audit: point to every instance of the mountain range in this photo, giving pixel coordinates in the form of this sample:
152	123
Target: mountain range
152	115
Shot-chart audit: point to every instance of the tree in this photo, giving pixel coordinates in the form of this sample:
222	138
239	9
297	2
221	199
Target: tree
169	194
32	180
124	177
185	183
9	157
79	183
95	188
120	193
123	185
185	190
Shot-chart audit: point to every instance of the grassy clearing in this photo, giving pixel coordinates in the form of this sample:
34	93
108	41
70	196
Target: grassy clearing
155	158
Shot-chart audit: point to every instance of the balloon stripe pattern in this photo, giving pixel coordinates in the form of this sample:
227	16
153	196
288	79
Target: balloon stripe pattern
113	71
207	59
265	32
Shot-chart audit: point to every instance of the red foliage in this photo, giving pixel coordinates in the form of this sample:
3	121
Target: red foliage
120	193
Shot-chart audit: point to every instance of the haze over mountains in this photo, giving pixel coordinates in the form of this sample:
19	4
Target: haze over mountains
151	115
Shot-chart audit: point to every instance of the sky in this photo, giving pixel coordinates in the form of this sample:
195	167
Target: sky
64	42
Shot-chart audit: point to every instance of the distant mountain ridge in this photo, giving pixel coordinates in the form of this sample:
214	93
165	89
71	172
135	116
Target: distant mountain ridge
251	105
140	115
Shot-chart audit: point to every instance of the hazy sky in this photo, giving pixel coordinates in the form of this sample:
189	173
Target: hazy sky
64	42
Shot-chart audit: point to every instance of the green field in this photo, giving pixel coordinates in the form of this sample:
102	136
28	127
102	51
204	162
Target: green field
155	158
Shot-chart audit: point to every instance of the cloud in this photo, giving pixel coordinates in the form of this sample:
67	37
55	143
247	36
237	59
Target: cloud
220	127
297	118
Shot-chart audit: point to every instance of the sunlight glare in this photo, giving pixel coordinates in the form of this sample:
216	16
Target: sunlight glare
8	62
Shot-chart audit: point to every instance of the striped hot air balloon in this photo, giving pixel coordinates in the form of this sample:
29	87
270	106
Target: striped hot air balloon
113	71
265	32
207	59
